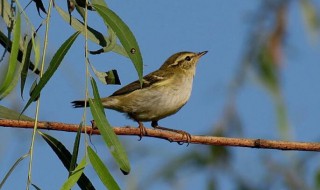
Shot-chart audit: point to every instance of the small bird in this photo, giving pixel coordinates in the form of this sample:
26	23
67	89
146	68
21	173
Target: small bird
162	93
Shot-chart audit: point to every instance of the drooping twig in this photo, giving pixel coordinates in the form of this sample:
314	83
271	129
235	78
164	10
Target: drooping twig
171	136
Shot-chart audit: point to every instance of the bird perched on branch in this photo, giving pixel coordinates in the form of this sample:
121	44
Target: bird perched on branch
163	92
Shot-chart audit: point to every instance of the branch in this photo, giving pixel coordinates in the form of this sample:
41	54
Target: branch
171	136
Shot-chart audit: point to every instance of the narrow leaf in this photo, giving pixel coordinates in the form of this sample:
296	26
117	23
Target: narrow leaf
53	66
6	113
40	6
311	16
111	139
75	176
26	63
13	56
102	171
13	83
93	34
17	162
109	77
5	12
75	149
100	2
65	157
96	96
6	43
36	50
125	36
36	187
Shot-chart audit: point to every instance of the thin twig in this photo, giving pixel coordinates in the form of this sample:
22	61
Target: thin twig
171	136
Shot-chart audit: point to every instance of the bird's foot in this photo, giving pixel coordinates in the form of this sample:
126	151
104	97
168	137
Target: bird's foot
184	134
143	130
93	124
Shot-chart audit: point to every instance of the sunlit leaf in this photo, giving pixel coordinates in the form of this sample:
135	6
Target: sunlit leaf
93	35
6	113
11	72
111	41
109	77
36	50
125	36
26	64
53	66
5	12
75	175
111	139
75	149
5	42
102	171
100	2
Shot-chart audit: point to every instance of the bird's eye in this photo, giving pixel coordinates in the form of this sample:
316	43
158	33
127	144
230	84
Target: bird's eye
188	58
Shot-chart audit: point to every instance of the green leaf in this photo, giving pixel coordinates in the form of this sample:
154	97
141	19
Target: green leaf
17	162
26	64
75	176
75	149
6	42
317	179
13	59
109	77
65	157
96	96
111	41
13	84
53	66
267	70
93	35
36	50
311	18
36	187
5	12
101	170
6	113
125	36
111	139
99	2
282	118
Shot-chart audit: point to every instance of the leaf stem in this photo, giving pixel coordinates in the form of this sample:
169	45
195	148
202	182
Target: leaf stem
38	101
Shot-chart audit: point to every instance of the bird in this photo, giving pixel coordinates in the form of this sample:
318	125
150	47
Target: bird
162	93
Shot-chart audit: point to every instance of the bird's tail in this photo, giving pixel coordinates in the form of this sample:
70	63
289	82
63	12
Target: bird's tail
79	103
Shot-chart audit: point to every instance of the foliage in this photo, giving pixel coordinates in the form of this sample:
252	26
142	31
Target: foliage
128	47
263	57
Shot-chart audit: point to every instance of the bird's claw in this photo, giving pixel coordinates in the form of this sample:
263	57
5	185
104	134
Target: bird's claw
185	135
143	131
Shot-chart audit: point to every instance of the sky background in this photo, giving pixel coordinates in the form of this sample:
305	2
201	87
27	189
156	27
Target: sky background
163	28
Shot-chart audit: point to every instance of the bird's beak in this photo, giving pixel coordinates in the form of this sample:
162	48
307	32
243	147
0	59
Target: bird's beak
202	53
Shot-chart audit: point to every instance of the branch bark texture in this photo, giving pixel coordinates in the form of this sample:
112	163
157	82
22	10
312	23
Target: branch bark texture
171	136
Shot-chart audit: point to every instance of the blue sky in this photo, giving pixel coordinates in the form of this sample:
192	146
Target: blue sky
163	28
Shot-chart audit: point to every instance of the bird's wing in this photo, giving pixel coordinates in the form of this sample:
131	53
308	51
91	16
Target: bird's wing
148	80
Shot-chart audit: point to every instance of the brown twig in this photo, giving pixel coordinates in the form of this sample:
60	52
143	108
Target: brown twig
171	136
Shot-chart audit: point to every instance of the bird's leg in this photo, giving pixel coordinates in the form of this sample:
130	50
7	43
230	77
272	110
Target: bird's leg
93	124
184	134
143	130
